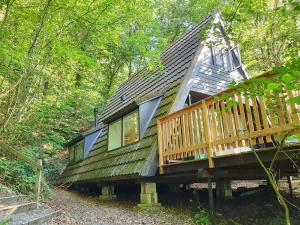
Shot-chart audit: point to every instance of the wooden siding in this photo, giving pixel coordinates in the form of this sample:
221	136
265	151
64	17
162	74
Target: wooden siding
211	79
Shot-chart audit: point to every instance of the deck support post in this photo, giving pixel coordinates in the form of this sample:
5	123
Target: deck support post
148	196
224	189
211	202
289	180
108	193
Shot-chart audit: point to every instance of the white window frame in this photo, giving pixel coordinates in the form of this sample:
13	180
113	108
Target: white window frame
231	64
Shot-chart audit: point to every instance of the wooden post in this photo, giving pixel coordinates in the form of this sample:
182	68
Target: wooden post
211	202
207	134
290	188
160	146
38	181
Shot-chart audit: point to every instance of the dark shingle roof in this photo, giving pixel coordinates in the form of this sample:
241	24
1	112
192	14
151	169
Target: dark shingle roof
135	160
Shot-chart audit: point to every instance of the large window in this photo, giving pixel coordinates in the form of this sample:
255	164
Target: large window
124	131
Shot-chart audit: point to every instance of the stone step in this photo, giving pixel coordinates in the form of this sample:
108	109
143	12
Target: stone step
42	215
17	208
12	199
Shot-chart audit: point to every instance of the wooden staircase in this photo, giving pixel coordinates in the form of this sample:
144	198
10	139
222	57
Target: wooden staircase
19	210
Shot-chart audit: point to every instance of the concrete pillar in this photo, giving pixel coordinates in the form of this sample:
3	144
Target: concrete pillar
148	196
108	193
223	189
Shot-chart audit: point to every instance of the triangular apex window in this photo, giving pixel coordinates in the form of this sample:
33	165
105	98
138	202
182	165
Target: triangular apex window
132	126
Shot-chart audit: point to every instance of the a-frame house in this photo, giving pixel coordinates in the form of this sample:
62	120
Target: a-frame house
123	147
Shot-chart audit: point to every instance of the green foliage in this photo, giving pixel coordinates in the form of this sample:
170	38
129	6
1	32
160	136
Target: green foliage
18	175
6	222
201	217
266	31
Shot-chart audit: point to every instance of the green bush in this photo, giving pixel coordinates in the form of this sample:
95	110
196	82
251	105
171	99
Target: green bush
201	217
5	222
17	175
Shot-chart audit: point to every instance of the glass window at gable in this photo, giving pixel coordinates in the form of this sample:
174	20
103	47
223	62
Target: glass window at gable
218	57
227	59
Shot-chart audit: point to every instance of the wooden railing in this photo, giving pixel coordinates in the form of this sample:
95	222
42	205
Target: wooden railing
37	166
212	128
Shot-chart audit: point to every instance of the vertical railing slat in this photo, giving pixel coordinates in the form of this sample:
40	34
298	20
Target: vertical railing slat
257	120
249	119
207	134
214	126
295	117
236	121
160	146
264	118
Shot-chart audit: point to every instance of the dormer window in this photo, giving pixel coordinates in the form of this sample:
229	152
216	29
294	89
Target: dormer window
76	152
123	131
81	149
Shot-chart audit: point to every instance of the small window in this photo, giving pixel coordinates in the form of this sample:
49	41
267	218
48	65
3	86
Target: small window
76	152
235	58
217	54
226	59
78	149
72	154
130	128
115	135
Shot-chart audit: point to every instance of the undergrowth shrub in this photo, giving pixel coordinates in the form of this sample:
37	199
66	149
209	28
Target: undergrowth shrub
201	217
17	175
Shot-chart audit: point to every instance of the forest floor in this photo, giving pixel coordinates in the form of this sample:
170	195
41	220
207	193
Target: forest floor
251	206
89	210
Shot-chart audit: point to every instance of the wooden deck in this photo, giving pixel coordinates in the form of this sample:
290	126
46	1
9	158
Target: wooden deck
219	135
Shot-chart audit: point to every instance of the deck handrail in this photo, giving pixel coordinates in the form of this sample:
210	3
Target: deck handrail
212	127
37	166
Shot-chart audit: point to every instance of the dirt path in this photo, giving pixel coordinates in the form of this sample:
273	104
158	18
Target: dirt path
80	209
